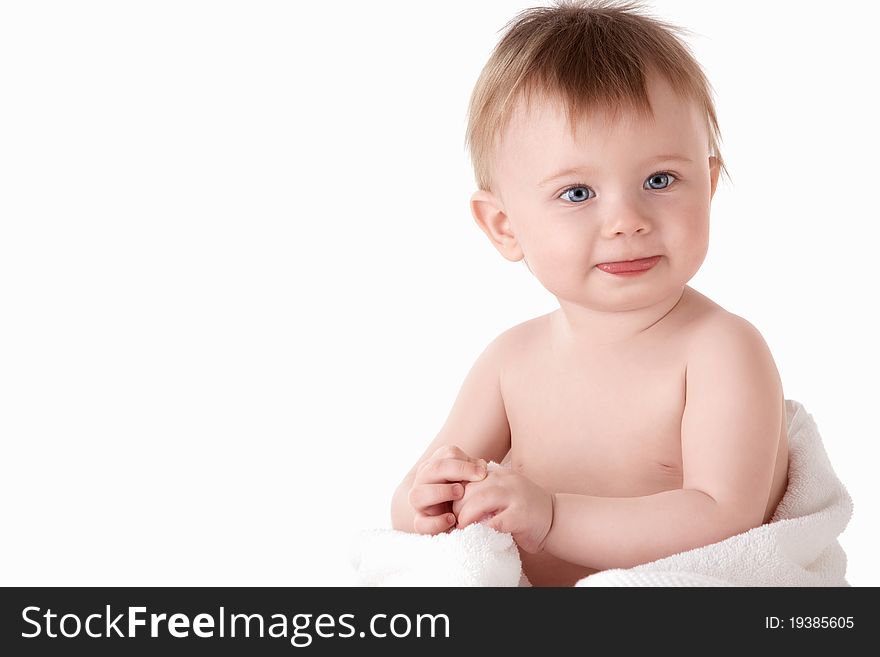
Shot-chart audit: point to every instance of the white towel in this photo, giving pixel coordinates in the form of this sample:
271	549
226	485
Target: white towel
798	547
474	556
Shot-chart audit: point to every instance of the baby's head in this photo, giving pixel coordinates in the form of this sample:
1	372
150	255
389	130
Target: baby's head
594	139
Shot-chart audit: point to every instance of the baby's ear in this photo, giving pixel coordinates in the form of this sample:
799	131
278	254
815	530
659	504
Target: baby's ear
714	170
489	214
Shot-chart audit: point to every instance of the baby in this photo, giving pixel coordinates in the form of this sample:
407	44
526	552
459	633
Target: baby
639	419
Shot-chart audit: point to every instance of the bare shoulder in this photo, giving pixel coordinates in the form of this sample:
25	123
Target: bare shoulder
716	327
520	340
722	341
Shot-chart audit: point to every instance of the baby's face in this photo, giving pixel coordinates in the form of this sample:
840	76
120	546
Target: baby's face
620	192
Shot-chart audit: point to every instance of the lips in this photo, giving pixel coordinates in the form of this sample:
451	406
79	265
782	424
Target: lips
640	264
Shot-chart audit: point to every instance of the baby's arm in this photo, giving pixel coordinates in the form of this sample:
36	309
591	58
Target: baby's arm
730	433
477	425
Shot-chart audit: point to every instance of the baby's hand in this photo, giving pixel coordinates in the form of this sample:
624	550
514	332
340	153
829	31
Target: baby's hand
439	481
512	503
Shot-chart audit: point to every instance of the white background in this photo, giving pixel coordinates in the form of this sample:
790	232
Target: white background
240	284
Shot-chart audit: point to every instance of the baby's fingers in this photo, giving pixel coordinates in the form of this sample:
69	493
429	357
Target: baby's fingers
424	496
450	469
423	524
484	504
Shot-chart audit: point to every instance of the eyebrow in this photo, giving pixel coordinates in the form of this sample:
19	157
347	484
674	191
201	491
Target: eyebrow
572	170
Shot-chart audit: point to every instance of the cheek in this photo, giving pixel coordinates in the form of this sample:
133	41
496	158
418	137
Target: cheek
689	233
558	246
689	219
560	261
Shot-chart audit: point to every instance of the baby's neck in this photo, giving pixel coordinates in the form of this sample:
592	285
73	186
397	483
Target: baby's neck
575	326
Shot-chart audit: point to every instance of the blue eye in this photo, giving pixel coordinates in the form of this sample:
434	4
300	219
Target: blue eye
664	179
579	193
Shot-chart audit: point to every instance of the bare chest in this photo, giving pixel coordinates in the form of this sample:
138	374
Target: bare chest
600	424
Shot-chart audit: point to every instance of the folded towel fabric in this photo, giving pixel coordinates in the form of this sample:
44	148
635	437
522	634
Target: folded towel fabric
798	547
474	556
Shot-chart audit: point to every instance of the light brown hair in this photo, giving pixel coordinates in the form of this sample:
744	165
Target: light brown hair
590	54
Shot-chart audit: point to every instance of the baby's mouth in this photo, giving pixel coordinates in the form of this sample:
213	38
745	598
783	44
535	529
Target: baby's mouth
640	264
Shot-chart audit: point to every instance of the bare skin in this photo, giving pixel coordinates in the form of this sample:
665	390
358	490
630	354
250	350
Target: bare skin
605	422
640	419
